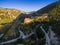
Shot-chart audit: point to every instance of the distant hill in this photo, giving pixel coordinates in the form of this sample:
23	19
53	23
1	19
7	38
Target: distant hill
7	15
51	9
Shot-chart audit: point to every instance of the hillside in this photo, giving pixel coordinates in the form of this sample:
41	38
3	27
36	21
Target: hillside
7	15
52	10
43	27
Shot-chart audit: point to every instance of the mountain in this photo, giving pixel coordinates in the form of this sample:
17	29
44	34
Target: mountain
48	8
43	26
50	14
7	15
51	9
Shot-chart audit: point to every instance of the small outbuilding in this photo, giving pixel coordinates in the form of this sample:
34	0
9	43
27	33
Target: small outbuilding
27	20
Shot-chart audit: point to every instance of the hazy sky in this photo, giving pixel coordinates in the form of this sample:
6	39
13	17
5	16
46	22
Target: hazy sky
25	5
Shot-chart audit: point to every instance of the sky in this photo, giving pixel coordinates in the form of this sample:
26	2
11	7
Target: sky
25	5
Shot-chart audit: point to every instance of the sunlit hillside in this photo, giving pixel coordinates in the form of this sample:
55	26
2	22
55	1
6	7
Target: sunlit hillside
7	15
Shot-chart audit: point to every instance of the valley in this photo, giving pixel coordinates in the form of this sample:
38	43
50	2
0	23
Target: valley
41	27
